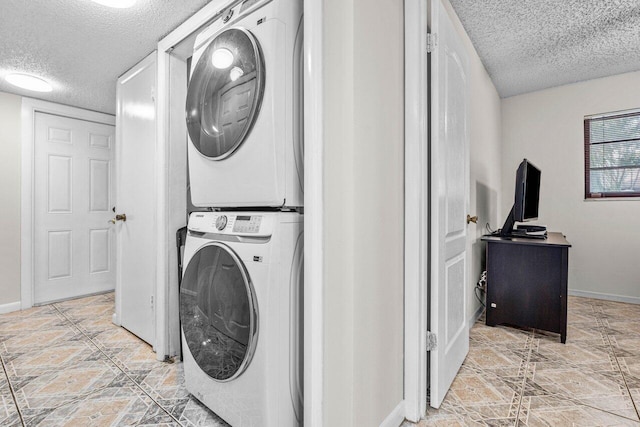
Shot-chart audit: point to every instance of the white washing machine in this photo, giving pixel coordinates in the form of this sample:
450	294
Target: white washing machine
244	108
241	315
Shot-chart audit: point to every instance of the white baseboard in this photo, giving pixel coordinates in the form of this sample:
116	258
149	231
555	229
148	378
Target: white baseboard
8	308
608	297
395	418
476	316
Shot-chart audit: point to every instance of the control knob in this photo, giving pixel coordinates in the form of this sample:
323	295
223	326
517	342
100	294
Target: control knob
221	222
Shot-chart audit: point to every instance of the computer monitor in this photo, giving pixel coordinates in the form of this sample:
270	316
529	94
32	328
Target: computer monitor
526	200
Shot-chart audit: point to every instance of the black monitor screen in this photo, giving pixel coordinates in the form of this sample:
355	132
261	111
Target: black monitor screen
531	193
527	195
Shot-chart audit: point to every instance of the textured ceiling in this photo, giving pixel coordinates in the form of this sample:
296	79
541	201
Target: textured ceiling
82	47
536	44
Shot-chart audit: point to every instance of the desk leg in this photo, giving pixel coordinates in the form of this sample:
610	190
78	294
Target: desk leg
489	320
563	295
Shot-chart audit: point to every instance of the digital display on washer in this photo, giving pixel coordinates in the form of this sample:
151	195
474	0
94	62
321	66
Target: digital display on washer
247	224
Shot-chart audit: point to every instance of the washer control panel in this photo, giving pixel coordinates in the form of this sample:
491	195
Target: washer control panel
232	223
247	224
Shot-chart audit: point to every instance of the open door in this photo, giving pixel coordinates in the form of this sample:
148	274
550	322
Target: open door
135	210
449	201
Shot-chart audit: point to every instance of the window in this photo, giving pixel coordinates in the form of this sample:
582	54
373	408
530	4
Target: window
612	155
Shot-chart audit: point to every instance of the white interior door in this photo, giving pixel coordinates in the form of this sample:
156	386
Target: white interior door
449	202
136	158
73	196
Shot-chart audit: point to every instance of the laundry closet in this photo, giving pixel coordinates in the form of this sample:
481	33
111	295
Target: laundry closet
228	296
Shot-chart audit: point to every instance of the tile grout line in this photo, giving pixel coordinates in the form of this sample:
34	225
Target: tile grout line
13	394
569	401
579	402
524	381
69	323
624	378
117	366
561	395
565	397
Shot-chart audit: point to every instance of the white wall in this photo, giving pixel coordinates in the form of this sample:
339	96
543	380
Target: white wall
546	127
378	173
10	149
485	170
364	210
364	203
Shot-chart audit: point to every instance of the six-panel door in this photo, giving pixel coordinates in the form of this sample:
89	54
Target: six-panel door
73	197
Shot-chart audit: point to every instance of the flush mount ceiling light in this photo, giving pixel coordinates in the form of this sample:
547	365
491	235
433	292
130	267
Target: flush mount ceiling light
26	81
120	4
235	73
222	58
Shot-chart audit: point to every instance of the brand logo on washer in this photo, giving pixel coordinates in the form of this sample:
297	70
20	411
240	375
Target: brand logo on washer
257	259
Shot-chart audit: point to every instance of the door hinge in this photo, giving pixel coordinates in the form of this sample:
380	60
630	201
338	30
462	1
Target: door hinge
151	302
431	42
432	341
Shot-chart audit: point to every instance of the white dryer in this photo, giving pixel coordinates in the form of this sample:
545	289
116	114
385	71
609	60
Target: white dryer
244	108
241	315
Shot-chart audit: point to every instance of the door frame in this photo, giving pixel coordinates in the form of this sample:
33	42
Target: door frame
30	107
314	306
167	345
417	252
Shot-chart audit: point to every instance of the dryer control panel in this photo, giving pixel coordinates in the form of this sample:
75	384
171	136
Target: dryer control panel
232	223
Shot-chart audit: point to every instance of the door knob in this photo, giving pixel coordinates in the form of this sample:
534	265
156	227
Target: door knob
119	217
473	219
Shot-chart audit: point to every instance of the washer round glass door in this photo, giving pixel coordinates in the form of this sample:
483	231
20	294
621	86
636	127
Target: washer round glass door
225	93
219	312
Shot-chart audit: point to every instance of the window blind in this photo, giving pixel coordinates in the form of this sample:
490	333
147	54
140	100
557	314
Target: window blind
612	155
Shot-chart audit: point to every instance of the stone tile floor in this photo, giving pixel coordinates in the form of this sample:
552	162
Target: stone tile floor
516	377
66	364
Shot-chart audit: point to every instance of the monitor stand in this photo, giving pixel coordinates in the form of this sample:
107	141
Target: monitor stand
507	229
525	235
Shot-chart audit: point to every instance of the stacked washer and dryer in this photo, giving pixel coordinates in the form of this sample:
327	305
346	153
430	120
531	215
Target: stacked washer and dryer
242	287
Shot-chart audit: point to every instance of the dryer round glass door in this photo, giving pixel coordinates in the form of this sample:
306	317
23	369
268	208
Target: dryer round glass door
225	93
219	312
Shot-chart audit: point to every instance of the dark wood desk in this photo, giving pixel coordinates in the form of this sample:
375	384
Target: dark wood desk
527	282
